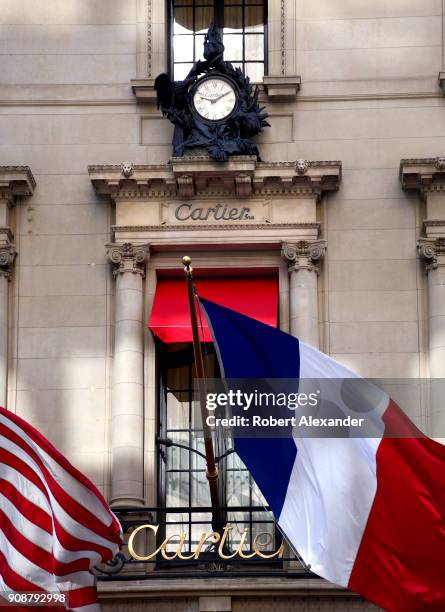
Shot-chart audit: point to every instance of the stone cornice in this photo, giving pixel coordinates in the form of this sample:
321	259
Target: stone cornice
211	228
128	257
180	587
280	88
6	235
434	228
16	181
144	89
424	174
303	254
199	176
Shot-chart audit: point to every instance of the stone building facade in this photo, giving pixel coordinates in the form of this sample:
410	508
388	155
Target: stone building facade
347	208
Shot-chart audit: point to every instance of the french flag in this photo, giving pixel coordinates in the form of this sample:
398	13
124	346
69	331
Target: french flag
366	513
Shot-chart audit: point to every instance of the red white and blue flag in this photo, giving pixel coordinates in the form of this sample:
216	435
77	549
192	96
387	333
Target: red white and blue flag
366	513
54	523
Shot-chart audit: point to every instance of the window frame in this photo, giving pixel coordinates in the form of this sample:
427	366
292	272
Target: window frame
162	471
219	16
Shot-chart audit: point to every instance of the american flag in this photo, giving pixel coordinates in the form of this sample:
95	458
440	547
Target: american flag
54	523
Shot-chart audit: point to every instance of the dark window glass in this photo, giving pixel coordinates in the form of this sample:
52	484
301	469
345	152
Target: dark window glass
242	23
182	475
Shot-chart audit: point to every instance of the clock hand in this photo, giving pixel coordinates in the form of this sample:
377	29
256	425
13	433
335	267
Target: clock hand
216	99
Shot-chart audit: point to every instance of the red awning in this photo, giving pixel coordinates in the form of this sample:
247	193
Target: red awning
256	297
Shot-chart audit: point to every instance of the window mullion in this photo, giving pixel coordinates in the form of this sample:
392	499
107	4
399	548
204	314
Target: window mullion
218	13
243	34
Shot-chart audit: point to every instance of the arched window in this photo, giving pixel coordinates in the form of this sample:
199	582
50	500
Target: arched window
242	22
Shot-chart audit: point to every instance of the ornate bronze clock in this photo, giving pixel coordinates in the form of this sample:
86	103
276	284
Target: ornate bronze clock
218	111
214	98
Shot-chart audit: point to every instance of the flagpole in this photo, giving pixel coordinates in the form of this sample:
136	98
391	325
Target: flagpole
212	469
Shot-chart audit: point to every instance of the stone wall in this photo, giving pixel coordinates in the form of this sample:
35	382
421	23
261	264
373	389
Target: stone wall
369	97
66	102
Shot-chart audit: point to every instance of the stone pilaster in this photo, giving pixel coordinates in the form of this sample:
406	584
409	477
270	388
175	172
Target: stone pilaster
427	176
15	182
303	259
7	256
432	252
127	397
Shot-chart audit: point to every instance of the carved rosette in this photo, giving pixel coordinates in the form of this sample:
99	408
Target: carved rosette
128	257
304	254
432	251
7	257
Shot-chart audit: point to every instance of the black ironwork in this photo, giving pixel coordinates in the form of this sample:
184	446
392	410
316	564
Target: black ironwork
209	563
168	442
221	138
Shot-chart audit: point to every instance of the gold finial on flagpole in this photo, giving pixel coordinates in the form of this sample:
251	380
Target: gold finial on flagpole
187	261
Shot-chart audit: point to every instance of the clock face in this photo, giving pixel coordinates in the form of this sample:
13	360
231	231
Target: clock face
214	98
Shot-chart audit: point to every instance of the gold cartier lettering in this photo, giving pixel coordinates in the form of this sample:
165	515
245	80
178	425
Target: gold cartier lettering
226	530
260	542
240	551
278	553
131	550
215	537
178	552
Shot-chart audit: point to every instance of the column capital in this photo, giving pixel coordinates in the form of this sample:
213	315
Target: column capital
128	257
303	254
432	251
7	257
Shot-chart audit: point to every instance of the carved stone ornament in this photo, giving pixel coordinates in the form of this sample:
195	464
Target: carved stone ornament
7	257
303	254
440	163
200	176
186	188
128	257
432	250
127	169
301	166
243	185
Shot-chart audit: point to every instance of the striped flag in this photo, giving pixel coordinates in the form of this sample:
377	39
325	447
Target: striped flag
54	523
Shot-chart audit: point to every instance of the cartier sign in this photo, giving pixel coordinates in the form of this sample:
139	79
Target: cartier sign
219	212
260	542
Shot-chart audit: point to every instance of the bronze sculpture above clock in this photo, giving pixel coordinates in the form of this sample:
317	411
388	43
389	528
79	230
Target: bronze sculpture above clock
215	107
